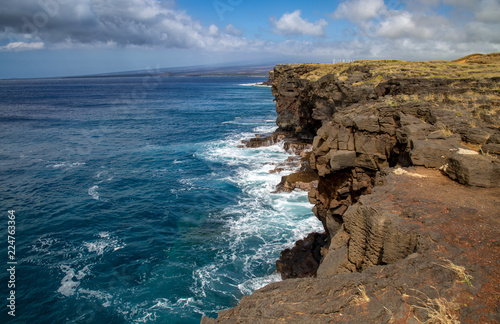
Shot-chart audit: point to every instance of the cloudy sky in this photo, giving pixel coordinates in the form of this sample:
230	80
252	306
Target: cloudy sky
41	38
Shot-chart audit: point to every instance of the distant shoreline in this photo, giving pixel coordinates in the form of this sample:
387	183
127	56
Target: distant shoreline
139	75
188	71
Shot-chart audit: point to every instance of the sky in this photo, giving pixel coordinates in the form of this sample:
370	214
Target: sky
47	38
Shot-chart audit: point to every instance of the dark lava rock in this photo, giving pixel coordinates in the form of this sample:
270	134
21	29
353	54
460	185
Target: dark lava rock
303	180
472	169
303	259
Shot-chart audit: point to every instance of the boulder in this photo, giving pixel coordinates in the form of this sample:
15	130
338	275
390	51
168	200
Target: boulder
367	122
342	159
345	139
302	180
430	153
336	259
472	169
476	136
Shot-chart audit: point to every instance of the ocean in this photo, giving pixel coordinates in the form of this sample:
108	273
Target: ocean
133	200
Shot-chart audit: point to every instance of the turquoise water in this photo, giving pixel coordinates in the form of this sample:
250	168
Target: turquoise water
133	201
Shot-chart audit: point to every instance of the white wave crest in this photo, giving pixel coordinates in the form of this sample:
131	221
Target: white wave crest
265	129
67	165
254	284
104	297
93	192
105	243
71	280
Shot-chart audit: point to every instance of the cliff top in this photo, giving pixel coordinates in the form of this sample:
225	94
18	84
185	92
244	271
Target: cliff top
471	66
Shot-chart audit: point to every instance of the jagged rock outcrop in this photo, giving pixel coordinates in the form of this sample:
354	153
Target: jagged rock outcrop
270	79
303	180
470	168
367	116
384	226
261	140
303	259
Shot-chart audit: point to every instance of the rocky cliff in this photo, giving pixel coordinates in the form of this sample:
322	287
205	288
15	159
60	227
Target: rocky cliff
418	243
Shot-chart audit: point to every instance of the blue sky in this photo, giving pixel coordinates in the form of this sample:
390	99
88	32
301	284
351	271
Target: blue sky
44	38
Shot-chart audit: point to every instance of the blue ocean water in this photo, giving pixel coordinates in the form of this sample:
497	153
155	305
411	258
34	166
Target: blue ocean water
133	201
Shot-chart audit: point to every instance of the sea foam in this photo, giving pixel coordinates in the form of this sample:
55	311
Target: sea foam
71	279
258	227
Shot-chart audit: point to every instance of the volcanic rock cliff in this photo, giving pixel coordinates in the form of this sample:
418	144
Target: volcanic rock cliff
407	188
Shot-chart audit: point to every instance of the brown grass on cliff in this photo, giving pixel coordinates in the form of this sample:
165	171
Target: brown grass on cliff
474	66
492	58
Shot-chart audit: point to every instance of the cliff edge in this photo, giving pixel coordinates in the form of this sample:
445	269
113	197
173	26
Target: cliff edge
408	176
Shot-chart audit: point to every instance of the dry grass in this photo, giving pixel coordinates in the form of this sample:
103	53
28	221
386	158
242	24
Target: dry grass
472	98
324	69
391	102
391	320
469	105
478	58
361	297
373	81
445	130
459	270
467	58
486	66
473	147
438	310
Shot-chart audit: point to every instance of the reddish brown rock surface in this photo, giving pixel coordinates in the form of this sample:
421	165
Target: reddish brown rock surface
453	222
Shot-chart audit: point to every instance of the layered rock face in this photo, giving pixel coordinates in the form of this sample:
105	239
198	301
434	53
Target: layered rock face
366	120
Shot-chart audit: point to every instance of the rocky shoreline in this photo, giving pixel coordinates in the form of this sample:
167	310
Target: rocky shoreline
404	173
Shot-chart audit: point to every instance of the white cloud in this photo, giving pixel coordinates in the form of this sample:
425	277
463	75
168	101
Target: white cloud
397	26
403	24
430	2
22	46
213	30
293	24
464	3
359	10
467	22
481	32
